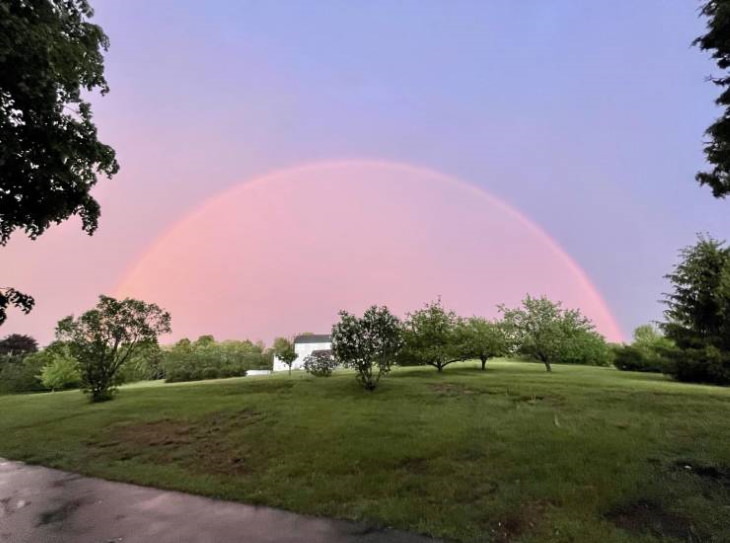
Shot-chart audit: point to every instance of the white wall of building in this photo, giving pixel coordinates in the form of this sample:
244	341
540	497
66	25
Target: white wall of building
303	350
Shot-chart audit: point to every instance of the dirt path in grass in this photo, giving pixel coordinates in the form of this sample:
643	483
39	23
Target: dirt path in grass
44	505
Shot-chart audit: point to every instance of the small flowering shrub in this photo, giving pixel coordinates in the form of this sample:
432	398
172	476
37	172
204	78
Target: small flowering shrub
320	363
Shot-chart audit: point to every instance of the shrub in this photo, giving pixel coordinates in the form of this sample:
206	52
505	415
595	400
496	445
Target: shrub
320	363
209	359
21	374
647	353
61	373
585	348
707	365
633	358
367	344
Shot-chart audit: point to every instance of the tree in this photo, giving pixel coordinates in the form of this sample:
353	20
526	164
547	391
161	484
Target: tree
480	338
18	345
541	329
717	150
367	344
10	296
430	338
698	308
50	155
284	351
60	370
698	313
106	337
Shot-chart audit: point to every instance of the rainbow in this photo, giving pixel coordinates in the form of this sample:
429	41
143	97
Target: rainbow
150	272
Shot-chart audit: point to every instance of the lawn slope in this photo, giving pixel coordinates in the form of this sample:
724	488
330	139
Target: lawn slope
510	454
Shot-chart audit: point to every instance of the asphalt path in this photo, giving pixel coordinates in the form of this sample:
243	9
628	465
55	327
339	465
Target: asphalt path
41	505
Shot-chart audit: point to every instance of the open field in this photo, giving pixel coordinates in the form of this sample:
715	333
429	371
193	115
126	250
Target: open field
512	454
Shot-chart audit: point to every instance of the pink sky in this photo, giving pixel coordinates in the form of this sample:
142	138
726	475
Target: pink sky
283	253
208	96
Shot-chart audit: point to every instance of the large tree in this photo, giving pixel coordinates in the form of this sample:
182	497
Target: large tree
367	344
430	338
481	338
698	308
18	345
108	336
716	40
543	330
698	313
50	155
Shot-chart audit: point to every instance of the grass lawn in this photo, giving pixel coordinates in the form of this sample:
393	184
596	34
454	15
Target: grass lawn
511	454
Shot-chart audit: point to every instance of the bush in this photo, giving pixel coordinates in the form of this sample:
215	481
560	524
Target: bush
208	359
632	358
61	373
706	365
647	353
21	374
320	363
586	348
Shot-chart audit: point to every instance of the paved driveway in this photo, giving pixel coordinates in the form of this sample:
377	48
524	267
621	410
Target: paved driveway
50	506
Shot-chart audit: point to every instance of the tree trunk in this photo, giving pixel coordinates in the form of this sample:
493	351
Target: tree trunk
484	363
547	365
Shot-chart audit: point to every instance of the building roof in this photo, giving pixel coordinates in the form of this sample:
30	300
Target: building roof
312	338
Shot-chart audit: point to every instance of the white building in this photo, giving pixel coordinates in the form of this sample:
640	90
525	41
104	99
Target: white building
305	345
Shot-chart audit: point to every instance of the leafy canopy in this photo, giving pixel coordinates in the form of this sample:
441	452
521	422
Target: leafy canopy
541	329
367	344
106	337
50	155
18	345
284	351
430	338
481	338
716	40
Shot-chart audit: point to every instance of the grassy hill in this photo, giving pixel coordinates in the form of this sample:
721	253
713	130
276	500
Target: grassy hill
511	454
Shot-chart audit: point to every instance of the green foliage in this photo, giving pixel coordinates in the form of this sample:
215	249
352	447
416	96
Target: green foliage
18	345
61	371
144	365
698	312
717	150
699	365
698	308
207	359
648	353
49	151
587	348
368	344
542	330
107	337
320	363
480	338
430	338
50	155
10	296
284	351
20	374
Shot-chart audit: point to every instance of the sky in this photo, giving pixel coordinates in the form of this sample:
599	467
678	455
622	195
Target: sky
586	118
